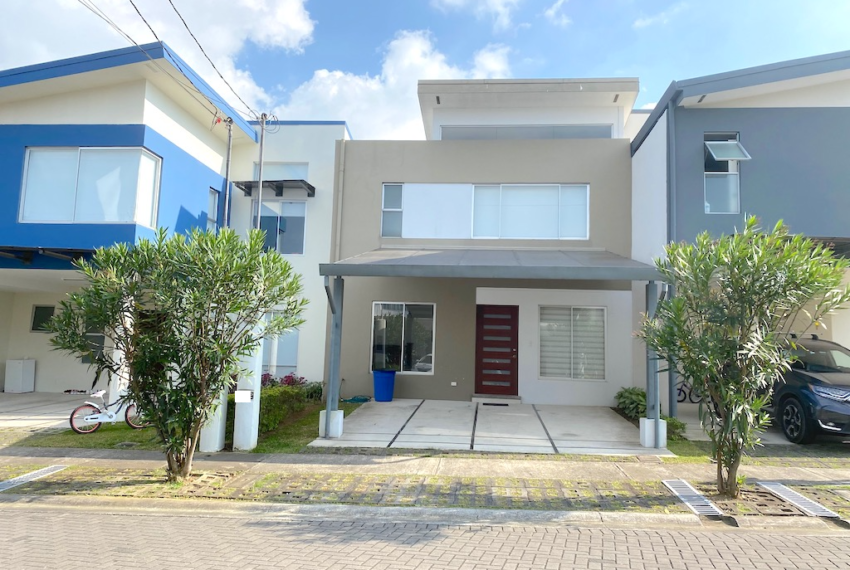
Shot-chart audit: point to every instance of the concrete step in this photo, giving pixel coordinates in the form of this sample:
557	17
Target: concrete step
495	399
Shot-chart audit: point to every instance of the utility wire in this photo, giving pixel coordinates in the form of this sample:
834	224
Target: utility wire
254	113
190	89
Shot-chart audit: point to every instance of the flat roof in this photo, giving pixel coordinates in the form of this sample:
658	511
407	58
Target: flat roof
524	93
493	264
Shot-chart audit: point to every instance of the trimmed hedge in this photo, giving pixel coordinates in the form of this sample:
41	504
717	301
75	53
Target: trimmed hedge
276	404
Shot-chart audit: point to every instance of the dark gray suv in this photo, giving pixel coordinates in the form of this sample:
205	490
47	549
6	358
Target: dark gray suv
815	395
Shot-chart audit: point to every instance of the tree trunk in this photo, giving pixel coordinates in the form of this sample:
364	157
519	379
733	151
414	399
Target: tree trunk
180	464
718	458
732	489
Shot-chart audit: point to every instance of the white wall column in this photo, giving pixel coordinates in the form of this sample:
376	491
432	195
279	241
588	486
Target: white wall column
213	432
246	425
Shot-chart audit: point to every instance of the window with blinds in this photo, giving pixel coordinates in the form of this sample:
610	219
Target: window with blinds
572	342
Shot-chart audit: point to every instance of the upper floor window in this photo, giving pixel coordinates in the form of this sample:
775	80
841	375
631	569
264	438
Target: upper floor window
212	210
90	185
531	211
284	224
391	211
722	154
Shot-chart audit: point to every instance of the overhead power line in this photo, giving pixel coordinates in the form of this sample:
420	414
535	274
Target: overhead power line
254	113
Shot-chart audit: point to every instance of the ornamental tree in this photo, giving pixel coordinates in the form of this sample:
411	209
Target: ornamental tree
178	314
726	329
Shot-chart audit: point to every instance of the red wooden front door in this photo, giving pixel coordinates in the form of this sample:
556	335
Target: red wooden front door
496	350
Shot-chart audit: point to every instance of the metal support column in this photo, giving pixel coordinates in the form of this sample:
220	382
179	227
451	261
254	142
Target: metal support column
335	297
653	396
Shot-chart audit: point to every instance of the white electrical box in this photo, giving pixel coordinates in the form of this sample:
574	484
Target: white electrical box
20	376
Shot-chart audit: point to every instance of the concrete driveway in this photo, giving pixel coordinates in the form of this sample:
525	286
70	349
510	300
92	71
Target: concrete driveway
512	428
37	410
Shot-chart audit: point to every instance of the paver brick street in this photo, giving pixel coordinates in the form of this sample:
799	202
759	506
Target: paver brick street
119	539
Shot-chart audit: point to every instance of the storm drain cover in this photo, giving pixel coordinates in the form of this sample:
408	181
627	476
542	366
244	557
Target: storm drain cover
32	476
692	498
808	506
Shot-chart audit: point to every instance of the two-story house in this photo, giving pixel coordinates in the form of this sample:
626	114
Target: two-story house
767	141
492	260
106	148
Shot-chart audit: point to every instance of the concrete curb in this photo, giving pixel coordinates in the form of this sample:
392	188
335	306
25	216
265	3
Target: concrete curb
345	513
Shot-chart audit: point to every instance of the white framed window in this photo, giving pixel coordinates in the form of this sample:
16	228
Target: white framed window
391	210
212	210
572	342
285	224
403	337
280	355
722	155
531	211
90	185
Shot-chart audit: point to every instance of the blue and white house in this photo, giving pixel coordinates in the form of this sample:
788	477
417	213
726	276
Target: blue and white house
106	148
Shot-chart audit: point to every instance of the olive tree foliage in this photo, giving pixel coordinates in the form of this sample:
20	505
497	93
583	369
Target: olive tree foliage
178	314
726	329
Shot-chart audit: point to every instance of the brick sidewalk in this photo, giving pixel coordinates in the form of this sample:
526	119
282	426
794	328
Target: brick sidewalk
113	539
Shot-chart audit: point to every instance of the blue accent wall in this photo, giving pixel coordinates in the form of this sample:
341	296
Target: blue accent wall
799	171
183	195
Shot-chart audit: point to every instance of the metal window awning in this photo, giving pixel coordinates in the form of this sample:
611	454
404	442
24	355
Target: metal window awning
248	186
727	150
493	264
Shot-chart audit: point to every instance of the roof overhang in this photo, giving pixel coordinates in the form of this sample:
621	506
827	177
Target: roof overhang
524	93
154	62
580	265
278	186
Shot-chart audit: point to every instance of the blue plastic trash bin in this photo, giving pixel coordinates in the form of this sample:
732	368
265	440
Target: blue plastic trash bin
384	385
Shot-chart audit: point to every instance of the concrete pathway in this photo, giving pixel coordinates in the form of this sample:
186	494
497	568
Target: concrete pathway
181	535
37	410
506	428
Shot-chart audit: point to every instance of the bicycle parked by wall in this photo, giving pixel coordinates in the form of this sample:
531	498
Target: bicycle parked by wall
90	416
685	392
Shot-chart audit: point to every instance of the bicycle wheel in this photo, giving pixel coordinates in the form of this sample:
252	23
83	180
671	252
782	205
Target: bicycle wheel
78	422
694	397
681	392
134	418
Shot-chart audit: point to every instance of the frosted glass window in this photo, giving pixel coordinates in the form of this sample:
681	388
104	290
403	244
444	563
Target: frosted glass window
212	210
572	342
529	212
280	355
486	211
722	193
727	150
573	212
282	171
391	212
91	185
50	185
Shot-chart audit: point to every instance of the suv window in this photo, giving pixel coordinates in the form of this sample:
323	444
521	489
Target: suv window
827	358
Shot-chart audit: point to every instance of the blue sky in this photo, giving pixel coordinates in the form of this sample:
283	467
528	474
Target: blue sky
358	60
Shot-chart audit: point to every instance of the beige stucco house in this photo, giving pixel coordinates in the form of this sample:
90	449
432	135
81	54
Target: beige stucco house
493	258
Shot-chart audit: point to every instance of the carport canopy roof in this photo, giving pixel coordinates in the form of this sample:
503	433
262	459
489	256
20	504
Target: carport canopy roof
493	264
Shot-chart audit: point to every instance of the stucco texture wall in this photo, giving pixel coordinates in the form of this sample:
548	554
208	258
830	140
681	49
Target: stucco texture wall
799	170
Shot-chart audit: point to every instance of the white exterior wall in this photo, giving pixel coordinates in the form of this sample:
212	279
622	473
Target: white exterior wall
649	229
315	145
618	344
54	371
835	94
173	122
530	116
121	104
5	326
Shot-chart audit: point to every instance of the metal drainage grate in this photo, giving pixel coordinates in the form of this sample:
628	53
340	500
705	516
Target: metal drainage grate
32	476
692	498
805	504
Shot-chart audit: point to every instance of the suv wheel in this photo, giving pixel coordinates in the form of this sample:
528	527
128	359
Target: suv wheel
795	423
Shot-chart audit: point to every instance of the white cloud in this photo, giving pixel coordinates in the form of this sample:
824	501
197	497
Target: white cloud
660	18
649	106
54	29
386	106
556	16
501	11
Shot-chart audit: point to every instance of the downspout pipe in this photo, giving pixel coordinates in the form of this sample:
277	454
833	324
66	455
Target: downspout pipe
672	104
227	190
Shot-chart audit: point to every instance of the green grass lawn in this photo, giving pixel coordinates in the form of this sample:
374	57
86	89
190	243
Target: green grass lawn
109	436
296	432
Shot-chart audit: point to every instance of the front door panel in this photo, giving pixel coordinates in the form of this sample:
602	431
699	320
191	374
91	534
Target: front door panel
497	339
